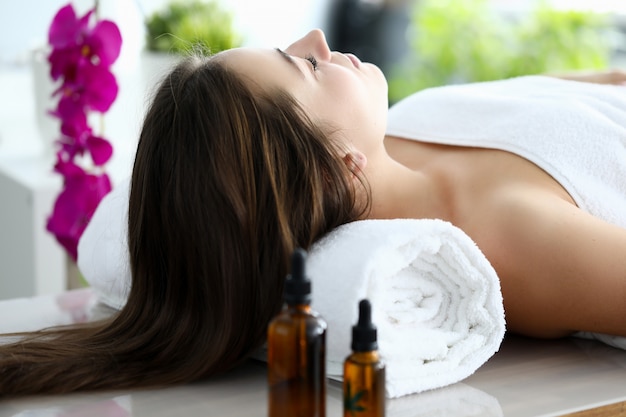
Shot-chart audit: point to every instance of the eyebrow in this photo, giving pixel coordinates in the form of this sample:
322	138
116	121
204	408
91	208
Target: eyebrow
290	60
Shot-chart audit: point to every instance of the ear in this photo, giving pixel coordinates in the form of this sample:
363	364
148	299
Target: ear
355	160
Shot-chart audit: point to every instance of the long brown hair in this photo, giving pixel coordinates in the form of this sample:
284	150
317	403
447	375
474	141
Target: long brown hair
228	179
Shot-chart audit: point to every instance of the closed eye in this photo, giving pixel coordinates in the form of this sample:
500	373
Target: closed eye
312	60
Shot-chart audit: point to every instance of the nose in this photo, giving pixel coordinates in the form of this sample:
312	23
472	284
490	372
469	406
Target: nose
313	43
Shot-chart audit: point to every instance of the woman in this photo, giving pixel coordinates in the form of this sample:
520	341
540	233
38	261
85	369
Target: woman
248	154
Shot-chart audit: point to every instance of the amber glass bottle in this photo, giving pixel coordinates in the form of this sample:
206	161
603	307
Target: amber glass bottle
363	370
296	351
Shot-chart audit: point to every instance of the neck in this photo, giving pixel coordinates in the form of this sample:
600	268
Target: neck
400	192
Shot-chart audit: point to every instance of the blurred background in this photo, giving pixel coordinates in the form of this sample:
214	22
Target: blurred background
417	43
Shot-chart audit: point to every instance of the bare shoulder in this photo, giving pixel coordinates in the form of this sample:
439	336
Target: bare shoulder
561	269
547	228
612	76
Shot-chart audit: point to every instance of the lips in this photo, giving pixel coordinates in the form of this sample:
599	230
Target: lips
355	61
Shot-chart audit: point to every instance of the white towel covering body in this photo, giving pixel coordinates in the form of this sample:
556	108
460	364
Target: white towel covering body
575	131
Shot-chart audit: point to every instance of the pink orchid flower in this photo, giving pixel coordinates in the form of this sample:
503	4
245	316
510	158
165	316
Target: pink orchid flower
79	138
91	87
75	206
70	35
81	57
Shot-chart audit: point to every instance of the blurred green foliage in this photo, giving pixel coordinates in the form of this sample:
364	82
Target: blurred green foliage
191	25
457	41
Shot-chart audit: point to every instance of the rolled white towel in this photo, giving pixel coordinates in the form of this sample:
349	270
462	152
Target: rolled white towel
436	299
103	257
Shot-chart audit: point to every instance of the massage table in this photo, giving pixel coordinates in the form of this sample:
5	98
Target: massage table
525	378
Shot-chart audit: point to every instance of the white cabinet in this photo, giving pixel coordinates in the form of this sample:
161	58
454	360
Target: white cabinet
31	261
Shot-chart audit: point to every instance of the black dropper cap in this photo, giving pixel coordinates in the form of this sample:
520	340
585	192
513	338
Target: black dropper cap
298	285
364	332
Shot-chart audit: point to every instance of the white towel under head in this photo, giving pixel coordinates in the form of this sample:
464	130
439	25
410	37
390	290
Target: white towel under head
103	256
436	299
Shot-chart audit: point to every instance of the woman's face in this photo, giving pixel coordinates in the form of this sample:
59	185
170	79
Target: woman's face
333	88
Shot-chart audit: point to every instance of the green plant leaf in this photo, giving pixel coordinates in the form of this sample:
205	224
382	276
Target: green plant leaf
350	402
183	26
457	41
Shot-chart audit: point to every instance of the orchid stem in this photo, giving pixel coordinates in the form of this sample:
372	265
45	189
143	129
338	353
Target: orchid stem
101	125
